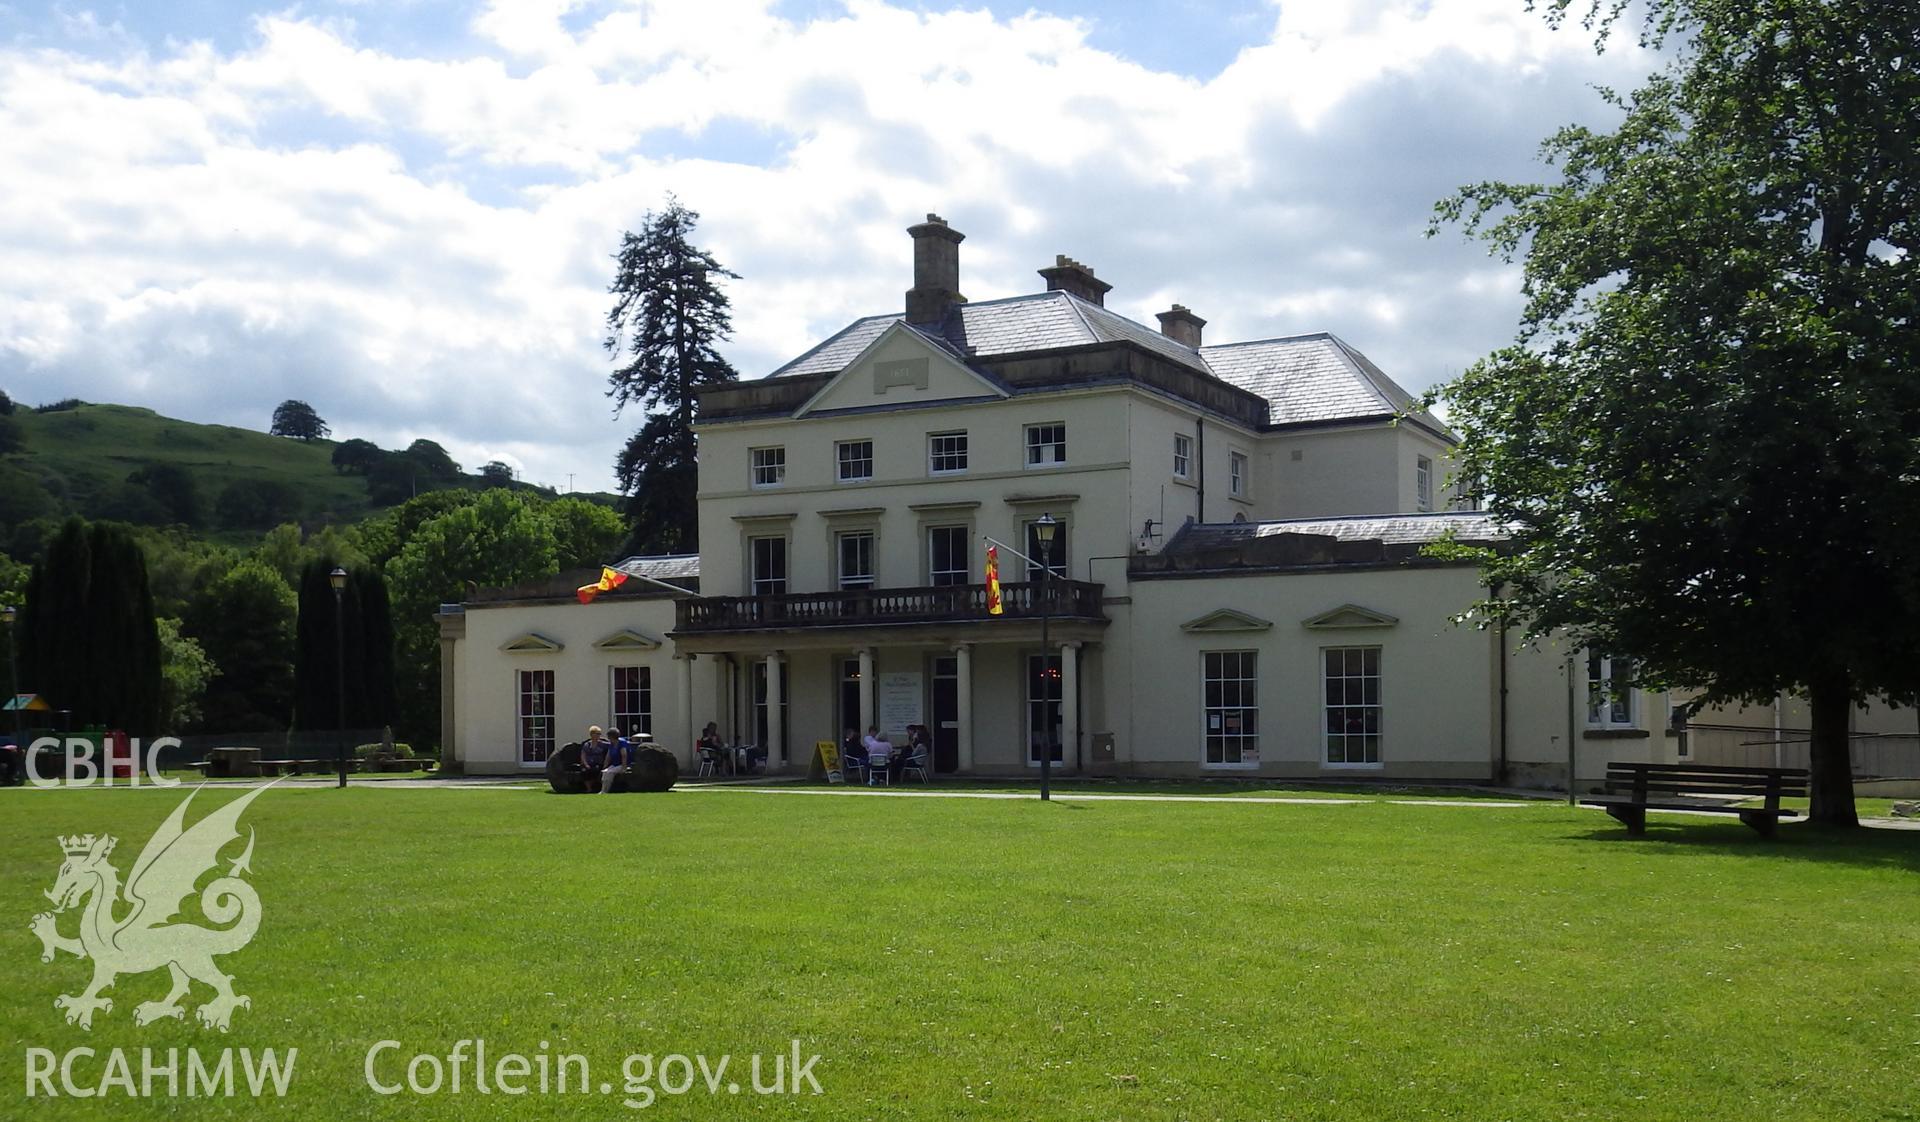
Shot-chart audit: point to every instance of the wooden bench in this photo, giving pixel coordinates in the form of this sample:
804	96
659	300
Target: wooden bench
1631	786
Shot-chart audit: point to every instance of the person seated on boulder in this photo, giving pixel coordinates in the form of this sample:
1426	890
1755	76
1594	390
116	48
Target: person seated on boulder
593	753
618	758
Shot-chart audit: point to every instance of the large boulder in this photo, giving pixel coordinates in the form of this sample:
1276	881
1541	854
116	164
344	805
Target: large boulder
564	773
654	769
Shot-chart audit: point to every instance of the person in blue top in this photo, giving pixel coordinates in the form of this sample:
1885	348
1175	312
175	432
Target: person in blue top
618	759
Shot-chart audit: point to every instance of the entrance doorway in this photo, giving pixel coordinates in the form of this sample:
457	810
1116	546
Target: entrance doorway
946	714
848	711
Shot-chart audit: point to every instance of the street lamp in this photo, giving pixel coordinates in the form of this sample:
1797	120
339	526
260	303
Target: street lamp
338	579
8	613
1043	534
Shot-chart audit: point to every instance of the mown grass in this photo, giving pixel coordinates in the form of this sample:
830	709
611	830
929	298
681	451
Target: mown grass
990	959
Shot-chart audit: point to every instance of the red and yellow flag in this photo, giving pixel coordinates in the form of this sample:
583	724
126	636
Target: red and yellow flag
994	607
610	579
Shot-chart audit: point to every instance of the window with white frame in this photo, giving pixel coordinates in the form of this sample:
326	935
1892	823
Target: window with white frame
854	460
1423	484
534	691
767	565
1609	692
1046	444
1182	455
1237	475
946	453
1352	678
948	559
1056	556
769	466
1230	718
631	708
853	551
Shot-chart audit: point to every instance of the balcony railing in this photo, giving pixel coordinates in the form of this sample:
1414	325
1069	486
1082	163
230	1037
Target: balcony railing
852	607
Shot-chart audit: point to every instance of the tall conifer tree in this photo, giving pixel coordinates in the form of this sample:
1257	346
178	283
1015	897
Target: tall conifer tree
669	315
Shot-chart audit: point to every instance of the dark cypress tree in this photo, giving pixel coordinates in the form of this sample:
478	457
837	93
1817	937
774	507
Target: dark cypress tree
376	648
668	316
89	642
364	630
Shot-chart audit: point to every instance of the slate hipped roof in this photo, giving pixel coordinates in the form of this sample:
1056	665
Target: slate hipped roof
682	570
1305	379
1469	526
1299	544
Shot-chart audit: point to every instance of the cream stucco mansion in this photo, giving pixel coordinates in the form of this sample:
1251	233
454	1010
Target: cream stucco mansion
1237	584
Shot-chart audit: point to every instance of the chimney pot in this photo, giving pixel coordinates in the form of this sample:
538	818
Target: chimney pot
936	270
1068	275
1181	325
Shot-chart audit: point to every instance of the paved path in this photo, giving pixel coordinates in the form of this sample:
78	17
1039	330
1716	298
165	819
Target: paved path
1076	796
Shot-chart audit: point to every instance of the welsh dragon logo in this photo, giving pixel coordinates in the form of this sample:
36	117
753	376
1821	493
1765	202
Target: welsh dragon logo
133	935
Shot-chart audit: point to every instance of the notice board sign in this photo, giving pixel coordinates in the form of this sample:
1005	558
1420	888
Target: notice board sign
899	701
827	756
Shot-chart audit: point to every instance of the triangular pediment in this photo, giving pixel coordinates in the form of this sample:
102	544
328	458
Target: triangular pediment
1348	616
531	642
901	367
627	639
1226	619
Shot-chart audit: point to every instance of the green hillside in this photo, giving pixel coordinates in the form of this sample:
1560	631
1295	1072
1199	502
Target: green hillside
93	448
130	464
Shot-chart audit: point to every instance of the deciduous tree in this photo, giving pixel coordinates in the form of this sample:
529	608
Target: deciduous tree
298	420
1707	435
244	621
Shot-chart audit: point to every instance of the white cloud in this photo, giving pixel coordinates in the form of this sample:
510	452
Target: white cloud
418	245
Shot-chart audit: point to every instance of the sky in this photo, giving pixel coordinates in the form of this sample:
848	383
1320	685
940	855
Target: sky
403	211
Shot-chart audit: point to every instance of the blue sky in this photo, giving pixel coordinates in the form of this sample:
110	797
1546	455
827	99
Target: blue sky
402	211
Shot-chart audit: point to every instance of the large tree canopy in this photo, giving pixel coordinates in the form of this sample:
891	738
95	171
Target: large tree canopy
298	420
669	315
1707	435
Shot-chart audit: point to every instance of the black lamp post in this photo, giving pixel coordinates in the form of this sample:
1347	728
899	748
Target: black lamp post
8	613
338	579
1043	532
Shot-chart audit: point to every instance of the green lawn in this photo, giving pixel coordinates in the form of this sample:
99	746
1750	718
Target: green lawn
999	959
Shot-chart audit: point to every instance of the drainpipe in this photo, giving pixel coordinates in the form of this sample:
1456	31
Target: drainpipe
1573	797
1502	774
1200	455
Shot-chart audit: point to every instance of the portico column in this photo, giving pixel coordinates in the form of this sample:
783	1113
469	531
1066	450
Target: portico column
776	745
866	690
683	667
963	703
1069	702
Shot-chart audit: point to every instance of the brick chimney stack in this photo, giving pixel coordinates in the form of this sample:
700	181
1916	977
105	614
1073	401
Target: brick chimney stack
1068	275
936	270
1181	325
